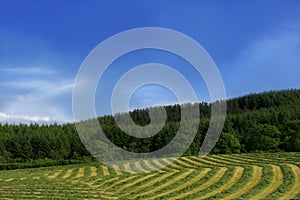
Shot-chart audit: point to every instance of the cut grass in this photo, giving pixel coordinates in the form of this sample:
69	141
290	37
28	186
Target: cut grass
55	175
117	169
276	181
160	186
93	170
68	173
295	189
219	174
245	176
234	179
184	184
80	172
139	190
105	170
252	182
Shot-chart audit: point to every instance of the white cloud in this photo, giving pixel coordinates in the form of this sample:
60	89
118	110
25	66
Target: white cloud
28	70
34	86
34	108
66	87
4	117
30	100
50	87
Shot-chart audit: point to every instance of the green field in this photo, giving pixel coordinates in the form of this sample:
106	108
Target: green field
235	176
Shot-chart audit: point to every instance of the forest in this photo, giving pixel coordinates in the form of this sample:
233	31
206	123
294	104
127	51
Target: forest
265	122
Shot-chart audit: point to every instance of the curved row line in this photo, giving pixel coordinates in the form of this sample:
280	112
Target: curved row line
181	178
276	181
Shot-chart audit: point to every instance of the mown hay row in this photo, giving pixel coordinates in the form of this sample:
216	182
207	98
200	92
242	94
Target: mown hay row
193	162
220	173
140	168
80	172
132	183
295	190
105	170
55	175
117	169
275	183
68	173
234	179
93	170
160	187
254	180
147	185
189	183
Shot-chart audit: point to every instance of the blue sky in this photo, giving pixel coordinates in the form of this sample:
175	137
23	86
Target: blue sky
255	44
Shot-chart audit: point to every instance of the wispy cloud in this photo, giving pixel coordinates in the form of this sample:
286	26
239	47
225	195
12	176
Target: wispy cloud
50	87
28	70
4	117
269	62
36	101
22	84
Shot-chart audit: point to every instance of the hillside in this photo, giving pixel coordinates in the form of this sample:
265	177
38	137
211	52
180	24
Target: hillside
227	176
268	122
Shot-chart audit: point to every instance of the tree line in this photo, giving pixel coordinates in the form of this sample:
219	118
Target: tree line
268	121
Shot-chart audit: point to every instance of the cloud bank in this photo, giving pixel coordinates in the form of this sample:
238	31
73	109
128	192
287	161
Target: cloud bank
38	99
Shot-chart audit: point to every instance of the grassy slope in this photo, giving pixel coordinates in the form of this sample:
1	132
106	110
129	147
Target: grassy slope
236	176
